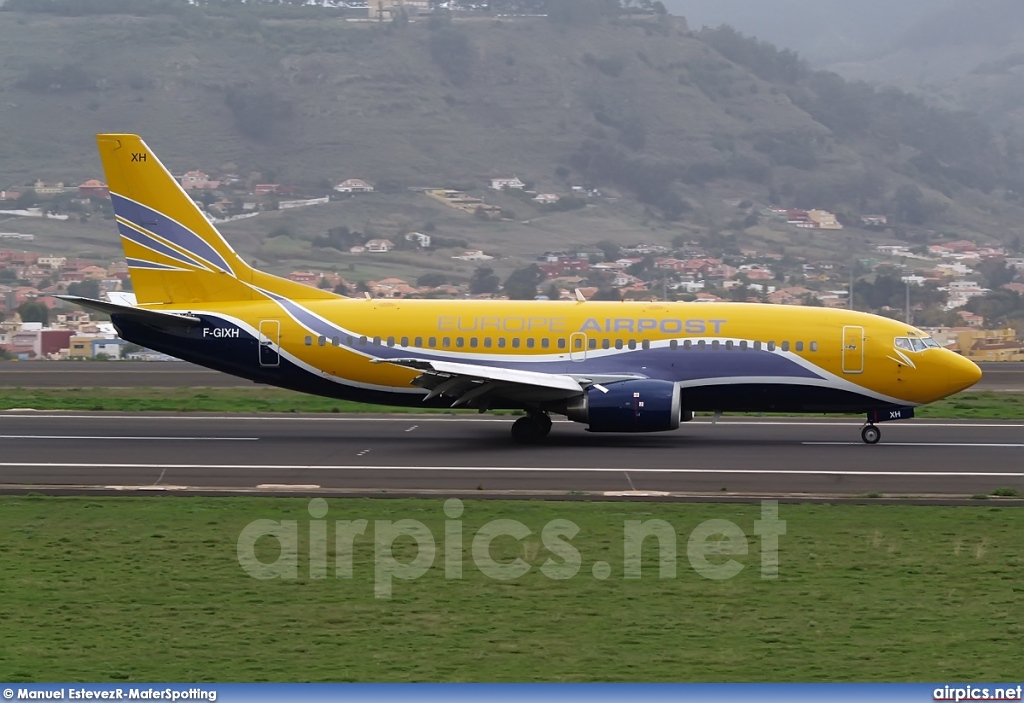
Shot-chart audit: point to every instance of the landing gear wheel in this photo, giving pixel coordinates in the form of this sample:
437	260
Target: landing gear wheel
531	429
870	434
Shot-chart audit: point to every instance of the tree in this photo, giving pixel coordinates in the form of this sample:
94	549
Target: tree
432	280
522	283
484	282
88	288
27	199
611	250
34	311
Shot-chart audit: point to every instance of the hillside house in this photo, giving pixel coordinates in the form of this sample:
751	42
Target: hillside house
423	240
502	183
354	185
379	246
42	188
94	188
198	180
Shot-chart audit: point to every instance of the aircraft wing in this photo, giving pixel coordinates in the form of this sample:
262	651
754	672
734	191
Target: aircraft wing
477	386
155	317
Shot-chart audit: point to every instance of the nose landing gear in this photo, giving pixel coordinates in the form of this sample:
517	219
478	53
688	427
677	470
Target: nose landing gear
870	434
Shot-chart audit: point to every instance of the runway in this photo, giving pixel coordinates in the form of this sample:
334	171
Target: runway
474	456
179	374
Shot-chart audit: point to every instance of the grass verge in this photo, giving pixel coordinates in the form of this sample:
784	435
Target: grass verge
264	399
150	589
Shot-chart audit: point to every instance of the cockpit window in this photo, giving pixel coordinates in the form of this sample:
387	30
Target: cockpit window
918	344
929	342
903	343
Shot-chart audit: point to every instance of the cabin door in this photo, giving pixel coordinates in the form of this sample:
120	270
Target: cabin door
270	339
853	349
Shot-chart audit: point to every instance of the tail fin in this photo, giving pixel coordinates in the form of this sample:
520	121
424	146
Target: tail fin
174	253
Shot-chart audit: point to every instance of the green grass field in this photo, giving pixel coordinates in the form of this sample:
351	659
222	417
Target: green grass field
976	405
150	589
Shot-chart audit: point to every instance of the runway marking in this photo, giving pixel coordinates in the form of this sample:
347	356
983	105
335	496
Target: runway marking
166	437
412	428
288	486
519	469
365	451
915	444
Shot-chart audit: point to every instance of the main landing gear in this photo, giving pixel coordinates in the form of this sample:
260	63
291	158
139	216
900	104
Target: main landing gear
531	429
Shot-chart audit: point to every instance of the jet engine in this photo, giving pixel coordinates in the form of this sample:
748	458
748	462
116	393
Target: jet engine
642	405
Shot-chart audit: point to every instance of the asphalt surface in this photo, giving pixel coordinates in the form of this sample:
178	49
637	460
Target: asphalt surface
417	455
180	374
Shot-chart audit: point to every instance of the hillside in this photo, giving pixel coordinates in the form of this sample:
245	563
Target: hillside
678	126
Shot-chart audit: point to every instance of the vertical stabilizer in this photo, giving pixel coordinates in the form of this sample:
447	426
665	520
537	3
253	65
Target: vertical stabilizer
175	255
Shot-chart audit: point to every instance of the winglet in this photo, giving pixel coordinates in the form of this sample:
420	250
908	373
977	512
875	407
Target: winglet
579	296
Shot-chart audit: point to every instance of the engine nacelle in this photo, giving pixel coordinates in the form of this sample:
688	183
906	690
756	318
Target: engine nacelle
643	405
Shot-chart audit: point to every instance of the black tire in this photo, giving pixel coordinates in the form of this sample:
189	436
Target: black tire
531	429
871	434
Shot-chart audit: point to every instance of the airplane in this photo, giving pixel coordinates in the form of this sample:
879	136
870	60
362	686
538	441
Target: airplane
613	366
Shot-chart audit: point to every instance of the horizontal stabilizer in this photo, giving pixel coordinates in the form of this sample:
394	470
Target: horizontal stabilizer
151	316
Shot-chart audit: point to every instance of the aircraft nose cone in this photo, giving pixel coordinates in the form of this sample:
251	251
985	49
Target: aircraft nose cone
963	373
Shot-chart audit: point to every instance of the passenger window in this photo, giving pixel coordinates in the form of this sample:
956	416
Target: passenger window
785	346
674	344
701	344
561	342
501	342
473	341
321	340
687	344
336	341
515	342
799	346
632	344
606	343
529	342
446	342
814	346
487	342
418	342
646	344
391	341
309	341
348	340
619	344
432	342
592	343
771	346
743	345
757	346
459	341
714	345
545	343
405	341
376	341
728	345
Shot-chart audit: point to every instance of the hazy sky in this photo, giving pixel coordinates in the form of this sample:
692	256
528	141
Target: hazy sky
823	31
